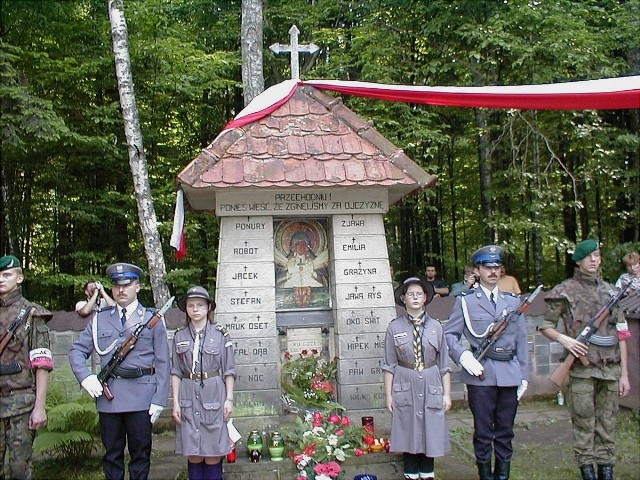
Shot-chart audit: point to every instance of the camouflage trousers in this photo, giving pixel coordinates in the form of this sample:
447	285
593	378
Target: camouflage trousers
16	442
593	404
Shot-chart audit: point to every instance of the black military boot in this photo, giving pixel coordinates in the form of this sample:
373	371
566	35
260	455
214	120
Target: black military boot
484	471
605	471
588	473
501	471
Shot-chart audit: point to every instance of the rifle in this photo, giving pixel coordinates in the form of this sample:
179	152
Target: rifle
559	375
498	329
23	314
123	350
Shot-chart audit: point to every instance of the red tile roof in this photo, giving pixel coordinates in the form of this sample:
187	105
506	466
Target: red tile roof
313	140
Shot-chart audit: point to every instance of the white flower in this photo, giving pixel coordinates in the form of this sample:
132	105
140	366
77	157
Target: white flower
333	440
322	476
307	434
318	431
340	455
328	449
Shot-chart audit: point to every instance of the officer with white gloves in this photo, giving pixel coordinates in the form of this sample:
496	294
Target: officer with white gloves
140	385
497	383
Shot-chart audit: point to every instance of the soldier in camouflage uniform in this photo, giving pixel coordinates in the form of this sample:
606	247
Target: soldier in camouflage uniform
594	390
24	373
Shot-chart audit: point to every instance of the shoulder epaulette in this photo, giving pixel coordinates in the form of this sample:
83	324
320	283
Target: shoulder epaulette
466	292
511	294
104	309
222	329
180	328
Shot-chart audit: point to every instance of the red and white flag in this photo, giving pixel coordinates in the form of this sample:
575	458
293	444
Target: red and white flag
177	235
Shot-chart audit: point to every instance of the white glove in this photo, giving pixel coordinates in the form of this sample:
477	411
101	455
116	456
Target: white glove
521	389
92	385
155	411
470	364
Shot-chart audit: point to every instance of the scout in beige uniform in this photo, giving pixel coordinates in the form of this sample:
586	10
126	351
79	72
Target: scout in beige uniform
202	379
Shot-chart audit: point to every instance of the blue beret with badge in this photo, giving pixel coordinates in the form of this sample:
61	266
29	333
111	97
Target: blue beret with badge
489	256
8	262
123	273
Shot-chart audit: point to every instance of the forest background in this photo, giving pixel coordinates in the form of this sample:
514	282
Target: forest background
534	182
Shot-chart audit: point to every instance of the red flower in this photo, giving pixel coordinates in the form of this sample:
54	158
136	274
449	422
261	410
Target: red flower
330	469
317	416
358	452
333	418
346	421
339	432
304	352
314	351
287	355
369	440
310	450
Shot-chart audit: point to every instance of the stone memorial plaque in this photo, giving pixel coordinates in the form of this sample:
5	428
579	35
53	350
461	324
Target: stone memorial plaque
259	376
330	201
360	397
249	325
246	227
372	295
258	299
299	339
251	274
248	351
365	345
364	320
240	250
359	371
368	224
253	403
363	270
352	247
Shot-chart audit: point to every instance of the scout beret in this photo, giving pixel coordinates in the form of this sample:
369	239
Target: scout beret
489	256
402	289
123	273
9	261
583	249
195	292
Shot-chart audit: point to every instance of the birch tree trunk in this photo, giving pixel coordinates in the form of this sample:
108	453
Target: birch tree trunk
251	40
137	157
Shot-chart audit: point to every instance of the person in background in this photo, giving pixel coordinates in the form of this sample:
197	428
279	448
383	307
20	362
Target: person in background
97	298
141	385
24	372
440	288
202	380
594	390
496	385
507	283
632	263
417	381
469	280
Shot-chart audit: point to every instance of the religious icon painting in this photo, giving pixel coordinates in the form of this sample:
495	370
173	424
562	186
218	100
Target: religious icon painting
301	264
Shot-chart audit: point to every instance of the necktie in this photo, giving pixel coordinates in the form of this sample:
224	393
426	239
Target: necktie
493	300
417	347
123	318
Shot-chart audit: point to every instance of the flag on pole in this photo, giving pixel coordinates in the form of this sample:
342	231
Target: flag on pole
177	235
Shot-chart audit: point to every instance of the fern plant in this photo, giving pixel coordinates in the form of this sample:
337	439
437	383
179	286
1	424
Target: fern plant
71	433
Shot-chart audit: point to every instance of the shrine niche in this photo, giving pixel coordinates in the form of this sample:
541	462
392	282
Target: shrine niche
301	252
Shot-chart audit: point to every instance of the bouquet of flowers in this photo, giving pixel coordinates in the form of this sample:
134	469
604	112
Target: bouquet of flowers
321	442
309	381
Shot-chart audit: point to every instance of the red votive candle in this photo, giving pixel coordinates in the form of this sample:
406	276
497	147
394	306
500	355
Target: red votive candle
367	423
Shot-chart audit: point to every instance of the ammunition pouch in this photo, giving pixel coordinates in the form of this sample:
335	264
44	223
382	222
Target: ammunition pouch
498	354
10	369
602	341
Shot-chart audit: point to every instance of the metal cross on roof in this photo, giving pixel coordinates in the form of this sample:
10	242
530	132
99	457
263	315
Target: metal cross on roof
294	49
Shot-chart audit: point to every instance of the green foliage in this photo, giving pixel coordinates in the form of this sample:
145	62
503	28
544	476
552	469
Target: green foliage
552	177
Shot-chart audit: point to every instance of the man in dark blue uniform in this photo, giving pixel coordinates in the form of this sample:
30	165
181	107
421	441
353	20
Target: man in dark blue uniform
141	384
495	385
